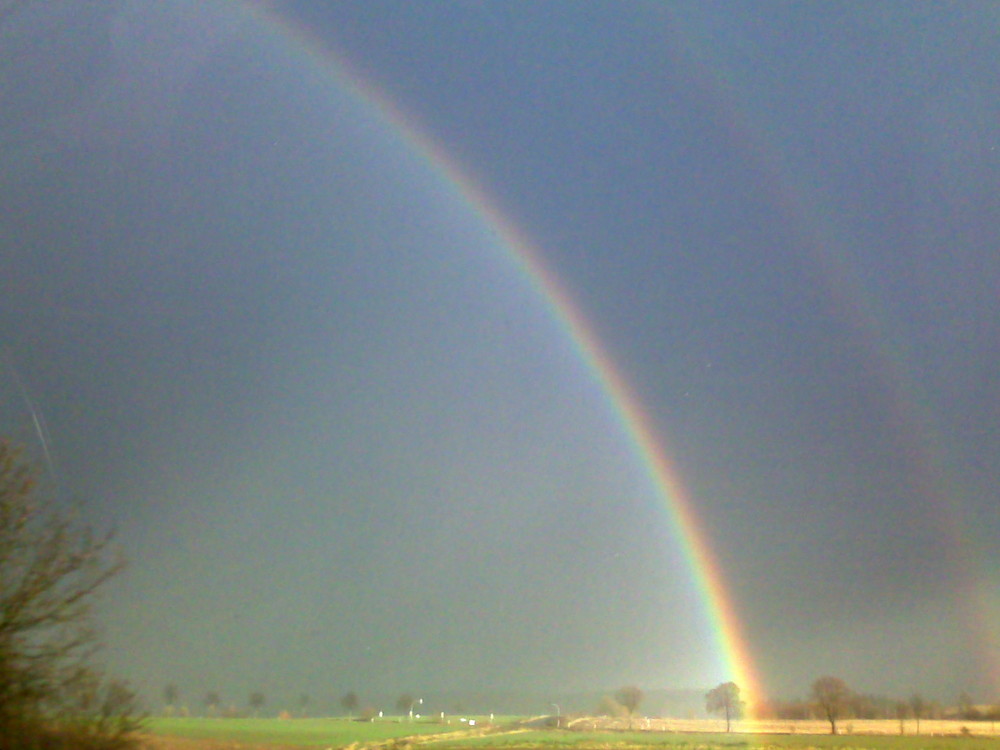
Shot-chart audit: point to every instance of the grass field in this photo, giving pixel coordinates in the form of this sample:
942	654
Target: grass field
210	734
303	732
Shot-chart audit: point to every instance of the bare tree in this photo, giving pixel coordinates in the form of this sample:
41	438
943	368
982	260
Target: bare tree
629	697
918	707
50	568
725	699
833	697
901	709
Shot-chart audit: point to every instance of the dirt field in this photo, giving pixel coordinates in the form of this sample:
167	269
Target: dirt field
844	726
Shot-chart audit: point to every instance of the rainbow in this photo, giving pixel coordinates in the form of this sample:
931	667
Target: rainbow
730	645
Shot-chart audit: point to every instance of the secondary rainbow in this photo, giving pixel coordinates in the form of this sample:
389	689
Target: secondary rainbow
731	647
824	242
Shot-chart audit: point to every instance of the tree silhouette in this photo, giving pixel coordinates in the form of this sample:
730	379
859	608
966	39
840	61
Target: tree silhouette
725	699
406	702
349	702
833	697
630	697
918	706
901	709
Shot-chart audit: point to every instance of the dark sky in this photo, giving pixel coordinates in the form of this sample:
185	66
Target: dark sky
345	442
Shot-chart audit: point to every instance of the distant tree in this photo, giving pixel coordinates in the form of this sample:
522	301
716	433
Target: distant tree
212	701
406	702
934	710
256	701
50	570
798	710
170	694
629	697
967	708
792	710
902	711
349	702
833	697
918	707
864	706
993	715
725	699
303	703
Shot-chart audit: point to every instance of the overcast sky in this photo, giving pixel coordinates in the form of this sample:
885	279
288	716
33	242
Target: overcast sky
347	445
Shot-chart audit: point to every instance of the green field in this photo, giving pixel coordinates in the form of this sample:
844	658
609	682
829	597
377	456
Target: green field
305	732
338	733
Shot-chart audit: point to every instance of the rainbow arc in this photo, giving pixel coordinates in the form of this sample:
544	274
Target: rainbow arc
729	643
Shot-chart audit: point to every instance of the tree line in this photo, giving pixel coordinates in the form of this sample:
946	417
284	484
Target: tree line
214	705
830	699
